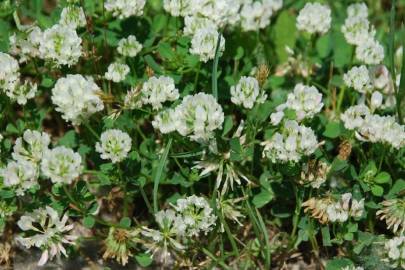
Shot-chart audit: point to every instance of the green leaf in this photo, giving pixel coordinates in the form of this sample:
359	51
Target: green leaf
342	50
377	190
125	222
333	130
338	264
398	187
158	175
324	45
326	236
263	198
228	124
153	65
382	178
159	23
144	259
284	34
69	139
89	222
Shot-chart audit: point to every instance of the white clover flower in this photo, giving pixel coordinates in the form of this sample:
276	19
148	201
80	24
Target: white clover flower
376	100
305	100
21	174
129	46
359	10
61	44
204	43
194	23
73	16
247	92
346	207
76	98
359	79
221	12
125	8
395	252
9	72
114	144
27	44
31	146
354	116
47	231
158	90
314	18
61	165
371	52
293	142
180	7
22	92
195	216
357	30
275	118
164	121
256	15
198	116
117	72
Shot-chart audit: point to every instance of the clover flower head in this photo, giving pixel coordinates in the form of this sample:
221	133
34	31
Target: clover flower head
305	100
21	175
393	212
158	90
117	72
314	18
61	165
21	92
76	97
47	231
73	16
371	52
359	79
26	44
247	93
164	121
395	252
354	116
61	45
129	46
9	72
198	116
193	23
114	145
119	243
180	7
255	15
31	146
125	8
204	43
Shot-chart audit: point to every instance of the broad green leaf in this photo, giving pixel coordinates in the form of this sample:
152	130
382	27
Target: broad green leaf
89	222
377	190
284	34
125	222
342	51
382	178
333	130
144	259
263	198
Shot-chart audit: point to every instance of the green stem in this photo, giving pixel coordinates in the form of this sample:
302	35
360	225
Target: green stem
215	69
92	131
158	175
229	234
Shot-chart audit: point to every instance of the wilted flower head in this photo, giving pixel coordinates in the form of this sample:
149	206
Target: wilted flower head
61	165
76	98
73	16
314	18
114	144
125	8
129	46
198	116
117	72
47	231
204	43
393	212
119	243
61	45
314	173
247	92
158	90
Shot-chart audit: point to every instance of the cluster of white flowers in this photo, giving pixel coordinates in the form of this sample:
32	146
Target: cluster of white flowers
164	121
10	81
76	98
358	31
23	172
26	43
114	144
129	46
373	127
395	252
61	45
73	16
117	72
195	216
359	79
193	23
158	90
247	92
314	18
291	143
179	7
198	116
344	208
46	231
125	8
306	101
61	165
204	43
255	15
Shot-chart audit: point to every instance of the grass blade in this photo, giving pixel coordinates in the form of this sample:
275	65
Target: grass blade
401	89
215	69
158	175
